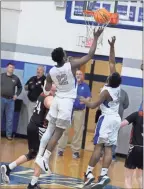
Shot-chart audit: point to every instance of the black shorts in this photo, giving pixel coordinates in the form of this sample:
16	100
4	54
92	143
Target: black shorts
134	158
34	133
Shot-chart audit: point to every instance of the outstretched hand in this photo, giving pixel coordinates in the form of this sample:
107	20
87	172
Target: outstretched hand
98	32
82	100
112	42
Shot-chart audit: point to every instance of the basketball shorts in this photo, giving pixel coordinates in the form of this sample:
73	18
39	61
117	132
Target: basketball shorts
107	130
60	113
134	158
34	134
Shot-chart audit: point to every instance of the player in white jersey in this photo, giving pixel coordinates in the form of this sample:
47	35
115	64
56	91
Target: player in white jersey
60	112
108	124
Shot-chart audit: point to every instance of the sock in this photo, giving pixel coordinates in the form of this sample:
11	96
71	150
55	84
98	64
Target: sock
34	180
47	155
12	165
104	171
89	169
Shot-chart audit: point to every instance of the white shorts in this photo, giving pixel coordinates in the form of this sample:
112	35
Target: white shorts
107	130
60	112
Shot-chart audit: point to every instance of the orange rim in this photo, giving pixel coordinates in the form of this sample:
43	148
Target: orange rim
87	12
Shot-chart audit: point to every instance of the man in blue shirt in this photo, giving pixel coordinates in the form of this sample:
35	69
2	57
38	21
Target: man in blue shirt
78	118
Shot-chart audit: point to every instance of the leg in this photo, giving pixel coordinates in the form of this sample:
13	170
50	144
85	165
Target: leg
128	178
89	178
37	169
63	142
78	124
9	111
139	176
114	152
2	107
33	143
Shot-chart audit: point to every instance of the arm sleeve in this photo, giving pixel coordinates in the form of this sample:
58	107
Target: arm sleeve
19	87
131	118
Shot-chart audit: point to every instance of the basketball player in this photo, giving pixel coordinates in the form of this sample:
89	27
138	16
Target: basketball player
60	112
134	158
35	130
108	124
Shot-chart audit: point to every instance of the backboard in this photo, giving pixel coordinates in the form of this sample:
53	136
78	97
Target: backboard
130	12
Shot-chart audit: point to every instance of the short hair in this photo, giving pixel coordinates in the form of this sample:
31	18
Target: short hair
10	63
114	80
58	55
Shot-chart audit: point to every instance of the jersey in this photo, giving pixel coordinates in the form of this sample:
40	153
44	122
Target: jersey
137	128
64	80
39	112
111	107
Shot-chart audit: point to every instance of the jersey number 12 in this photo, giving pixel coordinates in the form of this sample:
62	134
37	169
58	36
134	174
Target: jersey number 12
37	107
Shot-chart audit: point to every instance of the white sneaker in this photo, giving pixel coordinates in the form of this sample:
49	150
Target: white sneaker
89	178
43	164
102	181
5	172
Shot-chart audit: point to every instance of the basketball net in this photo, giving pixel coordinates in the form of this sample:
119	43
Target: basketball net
87	40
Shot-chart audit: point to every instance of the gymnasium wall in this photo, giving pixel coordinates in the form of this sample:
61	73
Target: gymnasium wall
28	37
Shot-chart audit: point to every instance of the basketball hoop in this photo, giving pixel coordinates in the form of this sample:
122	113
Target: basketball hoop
91	24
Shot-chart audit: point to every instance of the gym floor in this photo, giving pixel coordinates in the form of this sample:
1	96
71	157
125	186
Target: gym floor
67	172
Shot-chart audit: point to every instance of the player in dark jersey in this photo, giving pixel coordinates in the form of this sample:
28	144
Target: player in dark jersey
134	158
35	130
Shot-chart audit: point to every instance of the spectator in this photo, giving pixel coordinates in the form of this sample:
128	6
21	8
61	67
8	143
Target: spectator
34	86
9	82
78	119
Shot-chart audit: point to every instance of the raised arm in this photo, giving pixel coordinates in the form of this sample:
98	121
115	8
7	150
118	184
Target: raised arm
75	63
112	55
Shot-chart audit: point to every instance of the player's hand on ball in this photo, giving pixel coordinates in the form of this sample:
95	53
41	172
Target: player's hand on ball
82	100
98	32
112	42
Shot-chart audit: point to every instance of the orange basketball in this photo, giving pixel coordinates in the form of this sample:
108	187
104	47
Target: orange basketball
102	16
48	101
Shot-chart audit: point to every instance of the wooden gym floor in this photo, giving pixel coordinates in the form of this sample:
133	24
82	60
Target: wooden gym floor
68	172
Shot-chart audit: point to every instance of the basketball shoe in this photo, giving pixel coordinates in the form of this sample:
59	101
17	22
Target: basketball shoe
5	172
36	186
102	181
88	178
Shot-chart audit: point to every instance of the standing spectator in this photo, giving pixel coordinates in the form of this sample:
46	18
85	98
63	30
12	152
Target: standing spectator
9	82
124	103
78	119
34	86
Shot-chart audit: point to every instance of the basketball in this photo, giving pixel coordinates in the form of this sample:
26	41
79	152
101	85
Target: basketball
102	16
48	101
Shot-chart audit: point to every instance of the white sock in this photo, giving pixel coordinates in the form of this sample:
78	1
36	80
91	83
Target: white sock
34	180
47	155
12	165
104	171
89	169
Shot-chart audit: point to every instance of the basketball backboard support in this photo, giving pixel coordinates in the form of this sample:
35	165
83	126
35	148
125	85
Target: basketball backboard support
130	12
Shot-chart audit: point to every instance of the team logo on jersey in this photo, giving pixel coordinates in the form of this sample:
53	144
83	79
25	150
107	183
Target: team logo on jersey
82	88
13	81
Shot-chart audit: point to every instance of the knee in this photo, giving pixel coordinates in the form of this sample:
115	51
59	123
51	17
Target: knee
31	154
